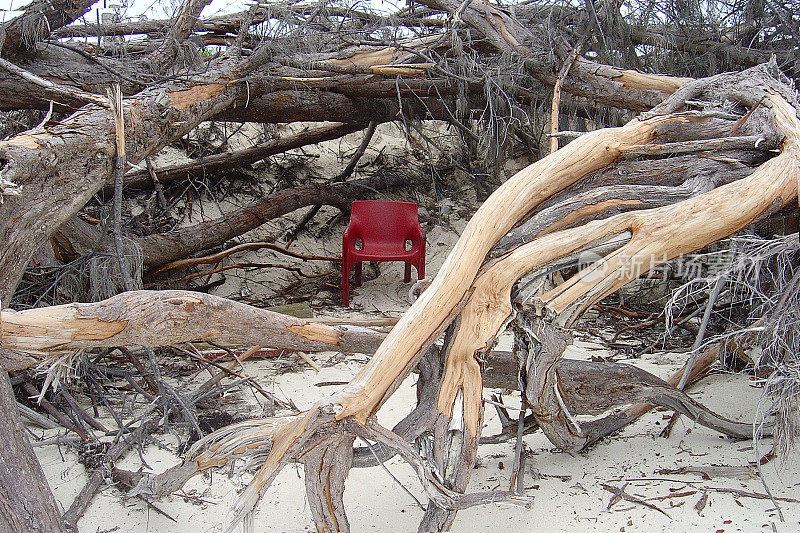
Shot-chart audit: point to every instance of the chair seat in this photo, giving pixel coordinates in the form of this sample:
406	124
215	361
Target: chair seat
387	251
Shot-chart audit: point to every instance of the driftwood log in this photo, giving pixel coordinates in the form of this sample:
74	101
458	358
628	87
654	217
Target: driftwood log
24	505
159	318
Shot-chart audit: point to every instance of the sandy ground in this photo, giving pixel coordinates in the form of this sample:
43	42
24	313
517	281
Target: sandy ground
567	496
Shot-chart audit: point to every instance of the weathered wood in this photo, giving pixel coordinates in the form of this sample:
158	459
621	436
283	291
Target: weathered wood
689	227
653	237
40	18
701	365
538	346
77	152
161	248
162	59
589	388
159	318
455	448
484	304
216	162
258	245
626	186
558	389
554	113
215	450
470	294
430	313
617	87
744	142
26	503
326	468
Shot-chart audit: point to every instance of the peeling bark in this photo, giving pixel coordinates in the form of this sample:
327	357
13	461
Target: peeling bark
653	237
217	162
326	468
160	318
58	167
40	18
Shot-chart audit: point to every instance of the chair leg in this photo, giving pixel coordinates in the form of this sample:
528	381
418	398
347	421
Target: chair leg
421	261
358	279
345	284
407	276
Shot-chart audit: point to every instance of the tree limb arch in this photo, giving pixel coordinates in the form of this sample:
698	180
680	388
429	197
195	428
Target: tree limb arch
482	306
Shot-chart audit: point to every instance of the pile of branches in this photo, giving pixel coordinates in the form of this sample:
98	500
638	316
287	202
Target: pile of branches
490	77
704	159
112	403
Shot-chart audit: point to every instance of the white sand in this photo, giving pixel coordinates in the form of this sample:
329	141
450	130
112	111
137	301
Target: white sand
375	503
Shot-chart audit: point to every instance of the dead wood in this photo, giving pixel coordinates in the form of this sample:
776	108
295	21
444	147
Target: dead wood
488	302
159	318
558	389
326	467
554	113
49	173
616	87
26	503
40	18
537	346
96	479
371	95
181	27
619	493
218	162
342	176
59	153
161	248
215	258
487	305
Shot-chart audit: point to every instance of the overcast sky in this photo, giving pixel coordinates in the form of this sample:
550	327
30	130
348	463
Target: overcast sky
150	8
157	8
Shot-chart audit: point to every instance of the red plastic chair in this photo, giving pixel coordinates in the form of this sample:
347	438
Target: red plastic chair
382	229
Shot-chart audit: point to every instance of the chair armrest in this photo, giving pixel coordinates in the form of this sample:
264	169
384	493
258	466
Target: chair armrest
417	239
352	232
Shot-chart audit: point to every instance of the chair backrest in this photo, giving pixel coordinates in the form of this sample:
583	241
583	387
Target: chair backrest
384	220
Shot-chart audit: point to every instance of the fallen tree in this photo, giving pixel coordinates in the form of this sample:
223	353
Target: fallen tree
159	249
176	316
474	301
616	193
471	298
43	337
38	337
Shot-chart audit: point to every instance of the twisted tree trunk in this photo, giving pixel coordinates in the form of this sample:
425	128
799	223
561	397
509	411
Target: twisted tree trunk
26	503
479	297
581	199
